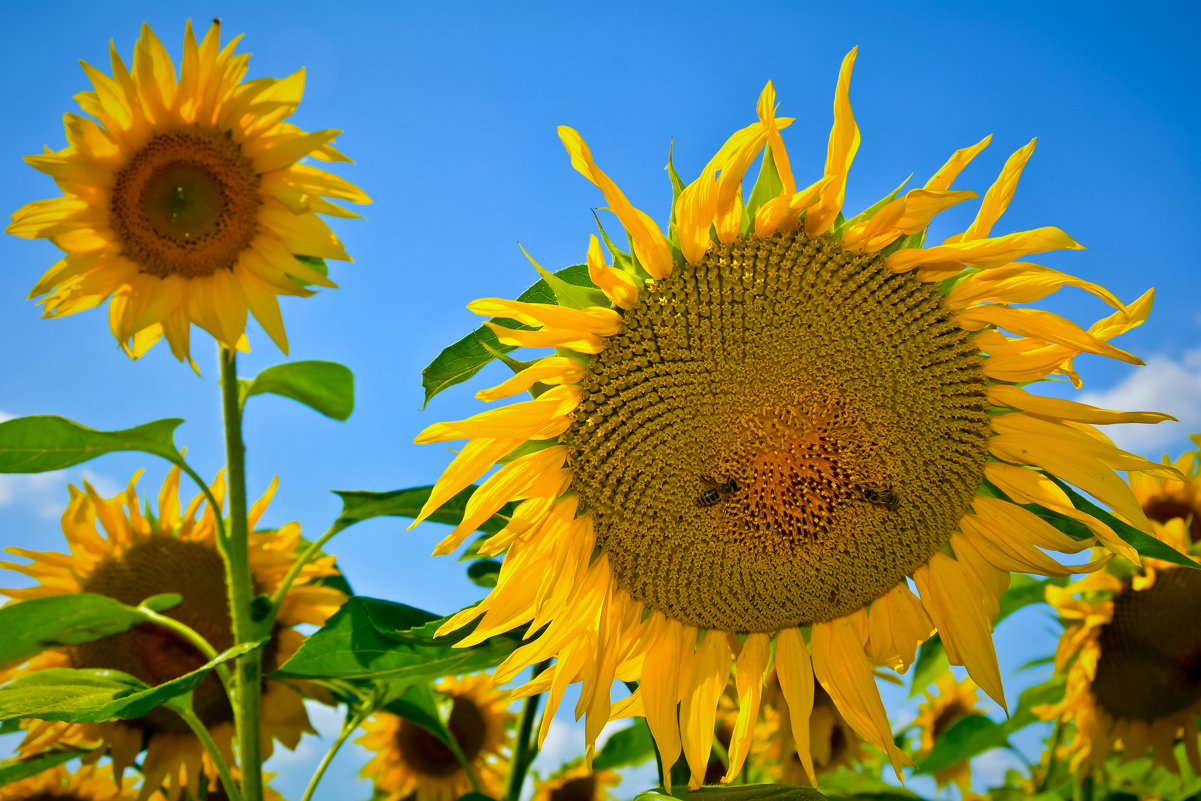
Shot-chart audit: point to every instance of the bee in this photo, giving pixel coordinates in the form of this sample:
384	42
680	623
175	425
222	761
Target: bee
716	492
885	497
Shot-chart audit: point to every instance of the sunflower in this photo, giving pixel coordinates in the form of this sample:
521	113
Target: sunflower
577	784
1164	499
410	763
1131	649
954	701
833	744
758	427
139	556
89	783
184	200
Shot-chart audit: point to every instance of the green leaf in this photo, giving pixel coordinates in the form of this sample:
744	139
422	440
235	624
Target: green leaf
44	442
1025	590
632	745
966	738
313	262
360	505
90	695
162	602
418	705
28	627
372	639
468	356
863	786
484	572
326	387
1144	543
744	792
14	770
931	663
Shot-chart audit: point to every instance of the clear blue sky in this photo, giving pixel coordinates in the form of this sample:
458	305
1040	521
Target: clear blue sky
450	111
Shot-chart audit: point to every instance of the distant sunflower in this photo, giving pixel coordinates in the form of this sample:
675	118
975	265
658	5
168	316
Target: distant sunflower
833	744
1131	649
1165	499
89	783
770	419
185	199
411	763
954	701
139	556
578	784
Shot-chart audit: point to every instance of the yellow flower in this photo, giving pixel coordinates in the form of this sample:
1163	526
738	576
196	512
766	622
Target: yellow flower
1131	649
185	199
89	783
1164	499
954	701
769	420
136	557
578	784
411	763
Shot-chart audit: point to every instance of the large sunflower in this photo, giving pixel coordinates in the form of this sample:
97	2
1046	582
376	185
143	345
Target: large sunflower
954	701
1131	648
768	422
412	764
185	199
89	783
139	556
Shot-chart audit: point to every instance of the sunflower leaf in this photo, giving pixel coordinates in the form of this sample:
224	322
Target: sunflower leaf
632	745
967	737
29	627
1142	542
483	572
373	639
931	663
325	387
744	792
46	442
360	505
460	361
91	695
417	704
14	770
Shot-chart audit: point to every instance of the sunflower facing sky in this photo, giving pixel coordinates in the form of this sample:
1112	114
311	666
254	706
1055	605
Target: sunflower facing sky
409	762
1131	648
762	426
184	200
138	556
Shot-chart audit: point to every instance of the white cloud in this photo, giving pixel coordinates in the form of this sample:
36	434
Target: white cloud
5	416
1163	385
45	493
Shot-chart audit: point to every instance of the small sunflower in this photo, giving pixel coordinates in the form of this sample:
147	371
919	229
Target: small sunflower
761	425
954	701
1131	649
578	784
89	783
184	200
139	556
833	744
411	763
1165	499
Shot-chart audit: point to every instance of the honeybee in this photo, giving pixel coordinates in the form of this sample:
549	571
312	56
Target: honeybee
716	492
885	497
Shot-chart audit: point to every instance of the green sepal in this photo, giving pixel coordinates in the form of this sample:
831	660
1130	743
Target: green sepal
904	243
842	224
622	260
325	387
466	357
42	443
767	186
569	295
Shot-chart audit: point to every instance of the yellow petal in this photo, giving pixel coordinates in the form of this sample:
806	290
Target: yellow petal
897	625
592	320
749	672
944	261
698	709
795	672
1021	282
1042	325
618	286
549	370
660	688
1061	409
844	142
523	420
948	172
997	198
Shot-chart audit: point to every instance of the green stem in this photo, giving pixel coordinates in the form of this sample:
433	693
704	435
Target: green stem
191	635
305	557
236	550
206	739
525	749
1051	757
353	719
208	494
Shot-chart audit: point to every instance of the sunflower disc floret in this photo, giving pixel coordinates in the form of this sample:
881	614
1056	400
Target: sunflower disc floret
767	424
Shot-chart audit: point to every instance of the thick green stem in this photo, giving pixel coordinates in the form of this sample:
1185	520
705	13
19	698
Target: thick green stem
236	550
206	739
1052	757
525	749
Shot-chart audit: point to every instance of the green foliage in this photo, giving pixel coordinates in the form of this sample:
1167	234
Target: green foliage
632	745
744	792
360	505
484	572
862	785
325	387
966	738
372	639
460	361
46	442
91	695
14	770
28	627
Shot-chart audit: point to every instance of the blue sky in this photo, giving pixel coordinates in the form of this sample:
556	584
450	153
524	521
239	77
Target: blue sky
450	111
